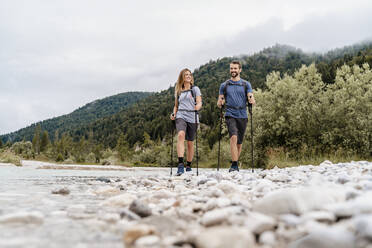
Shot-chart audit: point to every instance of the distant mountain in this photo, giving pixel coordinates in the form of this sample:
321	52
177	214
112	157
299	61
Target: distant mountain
82	116
151	115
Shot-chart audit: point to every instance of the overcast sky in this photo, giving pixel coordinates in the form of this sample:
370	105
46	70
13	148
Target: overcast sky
56	56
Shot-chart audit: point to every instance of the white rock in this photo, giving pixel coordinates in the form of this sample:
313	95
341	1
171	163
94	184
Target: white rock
110	218
122	200
223	202
263	185
219	216
228	187
267	238
23	218
147	241
297	201
363	226
325	238
106	191
211	182
321	216
359	205
326	163
258	223
214	217
135	232
278	177
290	219
222	237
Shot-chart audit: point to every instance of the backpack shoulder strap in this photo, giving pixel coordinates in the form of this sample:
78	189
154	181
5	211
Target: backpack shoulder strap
227	82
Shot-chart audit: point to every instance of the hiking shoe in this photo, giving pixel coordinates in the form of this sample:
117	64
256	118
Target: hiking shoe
233	168
188	168
180	170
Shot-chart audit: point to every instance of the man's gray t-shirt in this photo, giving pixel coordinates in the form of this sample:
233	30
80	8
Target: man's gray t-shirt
186	101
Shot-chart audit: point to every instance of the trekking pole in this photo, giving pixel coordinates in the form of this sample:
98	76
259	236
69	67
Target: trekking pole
171	165
196	143
219	140
250	113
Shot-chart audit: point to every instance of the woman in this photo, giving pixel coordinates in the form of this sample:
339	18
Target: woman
187	102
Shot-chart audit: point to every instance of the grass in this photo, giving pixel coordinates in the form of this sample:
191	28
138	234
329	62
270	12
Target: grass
281	159
9	157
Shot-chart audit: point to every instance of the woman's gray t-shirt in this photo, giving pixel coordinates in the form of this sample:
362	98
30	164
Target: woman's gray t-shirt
186	101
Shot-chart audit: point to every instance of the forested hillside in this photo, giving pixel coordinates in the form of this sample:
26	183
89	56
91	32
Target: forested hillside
309	106
151	115
80	117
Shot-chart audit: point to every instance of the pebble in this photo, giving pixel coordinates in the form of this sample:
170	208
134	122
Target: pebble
140	208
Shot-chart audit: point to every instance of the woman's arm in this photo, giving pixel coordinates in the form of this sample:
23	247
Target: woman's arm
198	103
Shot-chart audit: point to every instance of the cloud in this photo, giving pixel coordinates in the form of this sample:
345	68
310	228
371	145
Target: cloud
56	56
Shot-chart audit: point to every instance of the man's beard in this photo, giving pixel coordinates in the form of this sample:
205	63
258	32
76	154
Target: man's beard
234	74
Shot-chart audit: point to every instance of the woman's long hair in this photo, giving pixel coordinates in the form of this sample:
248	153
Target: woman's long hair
180	82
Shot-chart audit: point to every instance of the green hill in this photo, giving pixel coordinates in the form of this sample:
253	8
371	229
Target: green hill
151	115
82	116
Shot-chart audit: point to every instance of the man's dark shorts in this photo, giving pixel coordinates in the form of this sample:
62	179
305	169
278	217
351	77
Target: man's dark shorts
236	126
187	127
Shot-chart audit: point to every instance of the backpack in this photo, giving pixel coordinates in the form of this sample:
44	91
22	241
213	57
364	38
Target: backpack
193	96
244	84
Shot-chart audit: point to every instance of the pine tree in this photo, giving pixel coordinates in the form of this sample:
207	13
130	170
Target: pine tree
44	141
36	139
123	148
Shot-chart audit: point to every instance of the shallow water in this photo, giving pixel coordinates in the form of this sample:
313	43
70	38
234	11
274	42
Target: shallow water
73	220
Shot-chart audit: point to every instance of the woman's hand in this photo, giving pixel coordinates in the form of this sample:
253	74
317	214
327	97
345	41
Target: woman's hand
172	116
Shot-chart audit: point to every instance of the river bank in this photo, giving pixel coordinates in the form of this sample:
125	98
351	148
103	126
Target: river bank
305	206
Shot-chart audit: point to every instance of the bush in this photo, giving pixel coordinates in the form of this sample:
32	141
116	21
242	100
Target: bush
9	157
59	157
23	148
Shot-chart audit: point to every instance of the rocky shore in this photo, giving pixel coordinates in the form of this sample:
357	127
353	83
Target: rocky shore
328	205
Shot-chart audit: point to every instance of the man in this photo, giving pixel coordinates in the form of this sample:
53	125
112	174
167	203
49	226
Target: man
235	92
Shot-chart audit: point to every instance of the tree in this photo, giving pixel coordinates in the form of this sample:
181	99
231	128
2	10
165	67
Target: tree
44	141
36	139
123	148
1	143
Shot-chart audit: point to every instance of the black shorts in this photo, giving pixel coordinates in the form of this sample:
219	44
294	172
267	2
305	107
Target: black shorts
187	127
236	126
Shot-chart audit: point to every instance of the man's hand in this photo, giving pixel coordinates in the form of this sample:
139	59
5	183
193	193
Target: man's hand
251	99
220	101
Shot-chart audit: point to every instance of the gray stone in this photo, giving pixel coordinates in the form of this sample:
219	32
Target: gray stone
103	179
140	208
61	191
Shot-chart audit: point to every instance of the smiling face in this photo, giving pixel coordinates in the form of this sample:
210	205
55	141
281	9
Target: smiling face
187	77
235	70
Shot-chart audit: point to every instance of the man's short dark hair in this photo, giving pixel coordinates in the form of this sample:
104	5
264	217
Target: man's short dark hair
237	62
